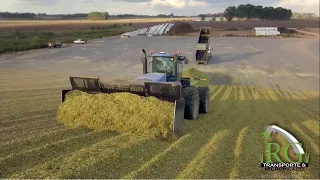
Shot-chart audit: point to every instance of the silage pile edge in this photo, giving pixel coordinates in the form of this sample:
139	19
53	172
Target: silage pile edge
120	112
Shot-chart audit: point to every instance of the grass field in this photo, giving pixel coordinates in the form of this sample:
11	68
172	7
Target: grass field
34	34
225	143
22	41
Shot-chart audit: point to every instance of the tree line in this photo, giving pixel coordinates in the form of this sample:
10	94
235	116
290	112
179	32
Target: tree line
16	15
211	15
98	16
10	15
259	12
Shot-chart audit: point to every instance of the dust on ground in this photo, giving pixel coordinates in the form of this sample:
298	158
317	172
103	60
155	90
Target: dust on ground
290	63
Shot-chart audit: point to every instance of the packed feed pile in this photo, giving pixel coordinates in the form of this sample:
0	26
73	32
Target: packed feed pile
120	112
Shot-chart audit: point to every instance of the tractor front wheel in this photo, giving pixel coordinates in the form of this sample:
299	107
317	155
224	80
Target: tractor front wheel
204	93
192	102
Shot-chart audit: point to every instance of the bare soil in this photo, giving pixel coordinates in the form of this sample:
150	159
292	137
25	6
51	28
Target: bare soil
250	33
256	23
181	27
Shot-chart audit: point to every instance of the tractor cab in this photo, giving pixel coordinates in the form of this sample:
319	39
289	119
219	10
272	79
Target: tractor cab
166	66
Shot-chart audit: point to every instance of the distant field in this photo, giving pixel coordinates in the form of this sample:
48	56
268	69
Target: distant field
36	22
77	24
53	25
25	40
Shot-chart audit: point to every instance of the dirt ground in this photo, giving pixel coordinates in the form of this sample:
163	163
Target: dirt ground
248	32
223	32
256	23
310	31
263	62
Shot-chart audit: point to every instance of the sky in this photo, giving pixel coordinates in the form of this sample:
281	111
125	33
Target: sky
148	7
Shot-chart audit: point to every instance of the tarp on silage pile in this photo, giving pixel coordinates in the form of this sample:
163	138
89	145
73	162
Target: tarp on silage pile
120	112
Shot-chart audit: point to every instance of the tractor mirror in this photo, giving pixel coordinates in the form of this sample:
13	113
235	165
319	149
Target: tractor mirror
186	61
144	51
181	58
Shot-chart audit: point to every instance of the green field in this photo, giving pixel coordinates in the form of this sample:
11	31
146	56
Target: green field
26	40
225	143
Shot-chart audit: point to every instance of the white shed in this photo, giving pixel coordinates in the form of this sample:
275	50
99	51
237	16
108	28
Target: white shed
266	31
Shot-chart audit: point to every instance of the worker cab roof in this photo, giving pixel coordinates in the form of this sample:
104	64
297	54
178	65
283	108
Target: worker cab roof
163	55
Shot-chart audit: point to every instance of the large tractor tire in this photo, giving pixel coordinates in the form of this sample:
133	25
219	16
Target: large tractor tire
192	102
204	93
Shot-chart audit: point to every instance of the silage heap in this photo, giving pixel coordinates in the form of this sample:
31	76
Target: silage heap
120	112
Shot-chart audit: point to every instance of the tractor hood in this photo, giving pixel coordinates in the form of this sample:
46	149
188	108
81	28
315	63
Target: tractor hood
154	77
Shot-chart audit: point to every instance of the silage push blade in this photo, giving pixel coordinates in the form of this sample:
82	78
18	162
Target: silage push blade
89	85
85	84
178	114
64	94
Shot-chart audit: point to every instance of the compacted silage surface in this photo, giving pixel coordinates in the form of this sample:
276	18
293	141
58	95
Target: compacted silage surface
120	112
225	143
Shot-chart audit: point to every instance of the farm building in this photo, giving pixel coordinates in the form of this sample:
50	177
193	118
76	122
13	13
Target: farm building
205	19
266	31
220	19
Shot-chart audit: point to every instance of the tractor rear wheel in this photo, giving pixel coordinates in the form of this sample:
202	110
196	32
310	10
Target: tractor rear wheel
192	102
204	93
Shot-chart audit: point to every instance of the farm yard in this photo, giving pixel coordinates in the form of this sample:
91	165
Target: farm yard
26	35
254	83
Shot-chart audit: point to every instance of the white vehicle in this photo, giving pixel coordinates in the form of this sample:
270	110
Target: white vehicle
79	41
125	36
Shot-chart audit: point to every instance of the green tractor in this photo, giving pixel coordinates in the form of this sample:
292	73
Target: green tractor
161	78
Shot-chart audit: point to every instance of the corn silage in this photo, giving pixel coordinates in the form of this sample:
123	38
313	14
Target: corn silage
120	112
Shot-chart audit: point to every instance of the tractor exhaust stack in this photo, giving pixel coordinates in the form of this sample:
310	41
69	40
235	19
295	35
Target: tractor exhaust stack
145	62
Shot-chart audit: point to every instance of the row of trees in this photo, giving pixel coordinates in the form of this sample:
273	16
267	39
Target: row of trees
90	16
211	15
304	16
16	15
98	16
10	15
251	11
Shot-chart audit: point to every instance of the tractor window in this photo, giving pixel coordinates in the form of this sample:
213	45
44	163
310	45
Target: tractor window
164	65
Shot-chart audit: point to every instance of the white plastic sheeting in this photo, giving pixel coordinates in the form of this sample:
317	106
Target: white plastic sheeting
153	29
266	31
143	31
160	29
168	28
